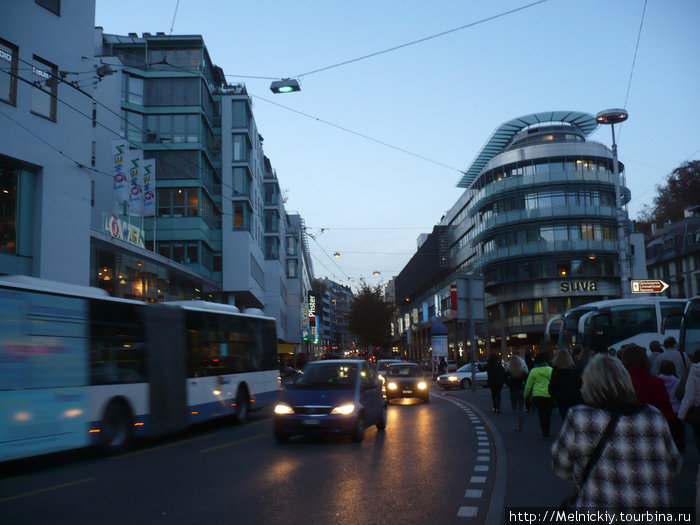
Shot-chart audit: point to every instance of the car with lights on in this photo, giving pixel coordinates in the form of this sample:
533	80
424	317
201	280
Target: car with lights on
384	364
339	396
406	380
462	377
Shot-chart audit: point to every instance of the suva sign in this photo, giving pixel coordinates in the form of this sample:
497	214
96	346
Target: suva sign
578	286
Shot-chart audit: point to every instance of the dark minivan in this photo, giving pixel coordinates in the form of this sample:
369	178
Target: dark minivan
339	396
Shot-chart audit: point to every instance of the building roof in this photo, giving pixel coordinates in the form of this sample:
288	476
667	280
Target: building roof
506	131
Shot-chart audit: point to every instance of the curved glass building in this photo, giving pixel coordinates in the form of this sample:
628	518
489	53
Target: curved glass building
538	221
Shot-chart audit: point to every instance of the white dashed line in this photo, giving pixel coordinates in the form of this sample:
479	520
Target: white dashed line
483	458
481	468
467	512
473	493
477	479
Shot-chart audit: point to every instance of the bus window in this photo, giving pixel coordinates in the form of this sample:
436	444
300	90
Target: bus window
670	308
690	328
117	343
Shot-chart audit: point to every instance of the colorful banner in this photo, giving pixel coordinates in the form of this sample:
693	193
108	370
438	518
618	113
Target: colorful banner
119	170
149	187
135	160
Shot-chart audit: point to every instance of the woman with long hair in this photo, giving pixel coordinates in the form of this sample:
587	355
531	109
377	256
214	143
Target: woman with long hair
515	379
637	460
565	385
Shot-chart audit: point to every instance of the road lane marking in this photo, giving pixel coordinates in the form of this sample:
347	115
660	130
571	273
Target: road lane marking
473	493
232	443
467	512
47	489
481	468
478	479
483	458
161	447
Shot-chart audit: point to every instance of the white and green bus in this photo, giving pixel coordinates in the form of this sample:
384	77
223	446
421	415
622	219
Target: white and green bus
80	368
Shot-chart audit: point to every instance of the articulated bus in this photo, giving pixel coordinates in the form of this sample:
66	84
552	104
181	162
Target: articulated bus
614	323
80	368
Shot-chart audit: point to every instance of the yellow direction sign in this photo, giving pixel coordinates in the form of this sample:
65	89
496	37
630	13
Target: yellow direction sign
649	286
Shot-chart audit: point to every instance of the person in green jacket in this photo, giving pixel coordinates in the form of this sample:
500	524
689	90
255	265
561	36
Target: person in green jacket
538	385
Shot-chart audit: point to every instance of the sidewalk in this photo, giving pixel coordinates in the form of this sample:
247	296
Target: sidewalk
530	481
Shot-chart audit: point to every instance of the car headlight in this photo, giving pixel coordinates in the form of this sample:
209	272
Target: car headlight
345	409
282	409
452	378
391	386
422	385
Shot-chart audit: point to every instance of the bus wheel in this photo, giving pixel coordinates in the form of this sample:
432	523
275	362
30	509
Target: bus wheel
116	427
242	404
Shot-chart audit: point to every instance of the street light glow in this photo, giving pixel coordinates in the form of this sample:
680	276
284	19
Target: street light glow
287	85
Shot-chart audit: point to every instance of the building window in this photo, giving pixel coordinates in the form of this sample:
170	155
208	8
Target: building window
292	268
239	114
8	209
271	248
45	79
240	148
241	216
291	246
178	202
271	221
52	5
241	181
132	89
8	72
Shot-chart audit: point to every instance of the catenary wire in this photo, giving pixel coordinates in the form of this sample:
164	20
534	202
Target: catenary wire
443	33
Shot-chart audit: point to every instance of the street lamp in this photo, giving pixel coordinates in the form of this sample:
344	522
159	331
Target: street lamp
287	85
612	117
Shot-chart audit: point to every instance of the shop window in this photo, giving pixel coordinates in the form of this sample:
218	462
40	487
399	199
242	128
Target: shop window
8	72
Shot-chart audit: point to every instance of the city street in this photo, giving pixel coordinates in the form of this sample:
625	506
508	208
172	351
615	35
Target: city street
451	461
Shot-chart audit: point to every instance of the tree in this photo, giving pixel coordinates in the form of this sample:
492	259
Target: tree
370	315
681	191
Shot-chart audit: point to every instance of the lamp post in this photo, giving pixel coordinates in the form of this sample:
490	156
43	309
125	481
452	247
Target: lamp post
612	117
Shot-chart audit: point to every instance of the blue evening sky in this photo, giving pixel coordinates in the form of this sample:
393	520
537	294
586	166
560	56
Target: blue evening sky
440	99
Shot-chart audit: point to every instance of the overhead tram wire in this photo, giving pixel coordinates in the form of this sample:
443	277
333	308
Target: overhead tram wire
443	33
366	137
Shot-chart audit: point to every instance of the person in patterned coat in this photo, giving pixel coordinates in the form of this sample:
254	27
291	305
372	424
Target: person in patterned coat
637	462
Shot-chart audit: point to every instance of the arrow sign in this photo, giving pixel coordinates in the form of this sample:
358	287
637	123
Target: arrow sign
650	286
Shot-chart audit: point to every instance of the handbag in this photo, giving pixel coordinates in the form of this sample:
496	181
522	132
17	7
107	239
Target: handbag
569	501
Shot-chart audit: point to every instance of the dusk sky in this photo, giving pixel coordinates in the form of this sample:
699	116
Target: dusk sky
370	152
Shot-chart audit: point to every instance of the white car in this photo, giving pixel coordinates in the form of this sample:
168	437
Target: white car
462	377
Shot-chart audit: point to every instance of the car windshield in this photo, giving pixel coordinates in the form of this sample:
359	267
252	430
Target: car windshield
383	366
328	375
405	371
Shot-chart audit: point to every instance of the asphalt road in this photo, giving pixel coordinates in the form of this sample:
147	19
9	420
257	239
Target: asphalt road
417	471
451	461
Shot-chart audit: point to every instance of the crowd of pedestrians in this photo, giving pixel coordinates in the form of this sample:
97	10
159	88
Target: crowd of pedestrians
624	416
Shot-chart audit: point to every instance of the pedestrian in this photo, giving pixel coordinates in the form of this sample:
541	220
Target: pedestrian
516	376
495	377
565	385
637	460
672	353
647	387
654	351
529	363
537	385
442	366
689	410
667	374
